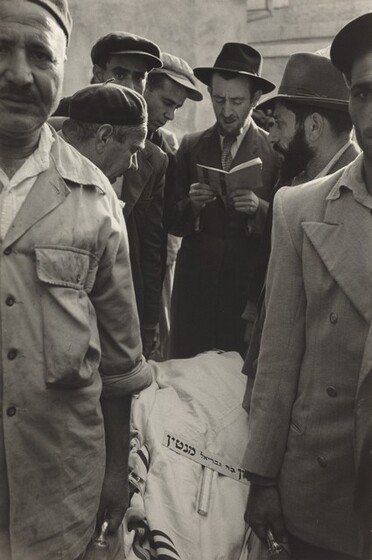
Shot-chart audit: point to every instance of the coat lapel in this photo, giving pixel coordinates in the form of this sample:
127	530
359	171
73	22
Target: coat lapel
208	150
135	181
48	192
248	148
344	243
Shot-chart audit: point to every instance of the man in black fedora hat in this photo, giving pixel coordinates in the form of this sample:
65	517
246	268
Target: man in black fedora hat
219	246
311	130
309	439
128	58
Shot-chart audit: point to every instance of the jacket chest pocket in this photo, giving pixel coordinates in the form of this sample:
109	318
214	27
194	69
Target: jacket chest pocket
70	337
66	267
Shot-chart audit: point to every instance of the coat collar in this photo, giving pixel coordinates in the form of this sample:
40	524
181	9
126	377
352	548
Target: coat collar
344	239
135	180
50	188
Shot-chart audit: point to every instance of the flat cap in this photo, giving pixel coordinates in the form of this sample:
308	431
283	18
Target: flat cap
353	39
108	103
178	70
59	10
121	42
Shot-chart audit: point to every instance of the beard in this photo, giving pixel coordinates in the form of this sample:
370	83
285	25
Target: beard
296	157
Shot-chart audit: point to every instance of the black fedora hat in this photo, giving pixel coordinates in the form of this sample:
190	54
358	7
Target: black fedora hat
311	79
237	58
354	38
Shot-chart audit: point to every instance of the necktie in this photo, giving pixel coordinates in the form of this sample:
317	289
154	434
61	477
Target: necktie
226	157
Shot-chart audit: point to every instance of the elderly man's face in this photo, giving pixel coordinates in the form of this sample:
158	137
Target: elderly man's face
128	70
232	103
32	54
163	101
360	105
120	156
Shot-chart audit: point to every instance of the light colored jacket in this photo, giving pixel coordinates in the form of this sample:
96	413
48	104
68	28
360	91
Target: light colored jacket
67	308
315	355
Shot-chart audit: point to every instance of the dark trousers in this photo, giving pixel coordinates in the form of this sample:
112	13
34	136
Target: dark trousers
301	550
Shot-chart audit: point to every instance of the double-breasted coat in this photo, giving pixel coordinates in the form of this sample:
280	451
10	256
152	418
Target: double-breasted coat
218	254
308	418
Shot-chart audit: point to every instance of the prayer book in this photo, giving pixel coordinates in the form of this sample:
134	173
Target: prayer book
247	175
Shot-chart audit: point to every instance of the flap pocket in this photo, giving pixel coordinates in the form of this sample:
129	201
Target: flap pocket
64	266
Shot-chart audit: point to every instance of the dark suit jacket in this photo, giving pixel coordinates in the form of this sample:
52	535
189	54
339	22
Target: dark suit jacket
143	192
216	261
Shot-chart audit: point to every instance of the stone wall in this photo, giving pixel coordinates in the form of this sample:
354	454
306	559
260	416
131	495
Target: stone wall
196	30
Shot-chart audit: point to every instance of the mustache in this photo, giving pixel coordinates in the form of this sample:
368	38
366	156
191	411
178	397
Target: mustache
19	93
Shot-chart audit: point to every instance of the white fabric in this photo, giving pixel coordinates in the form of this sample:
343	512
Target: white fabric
199	399
15	190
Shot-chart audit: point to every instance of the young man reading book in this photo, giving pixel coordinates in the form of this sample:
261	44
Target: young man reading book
220	244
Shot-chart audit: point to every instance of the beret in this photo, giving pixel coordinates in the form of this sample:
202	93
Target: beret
108	103
354	38
178	70
60	12
126	43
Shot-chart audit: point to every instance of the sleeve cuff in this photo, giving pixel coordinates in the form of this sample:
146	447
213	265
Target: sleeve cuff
123	385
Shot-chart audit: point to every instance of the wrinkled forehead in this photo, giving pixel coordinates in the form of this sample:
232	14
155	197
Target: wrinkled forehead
237	86
132	62
361	69
22	18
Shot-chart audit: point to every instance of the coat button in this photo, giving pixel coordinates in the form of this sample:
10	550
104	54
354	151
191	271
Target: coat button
332	391
7	251
11	411
10	300
333	317
12	354
322	461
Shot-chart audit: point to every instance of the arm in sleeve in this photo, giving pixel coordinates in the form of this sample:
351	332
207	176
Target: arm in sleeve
281	353
123	368
151	249
182	215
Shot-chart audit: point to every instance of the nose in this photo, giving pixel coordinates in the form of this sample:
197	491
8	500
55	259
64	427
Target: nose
274	135
169	114
18	71
133	162
227	109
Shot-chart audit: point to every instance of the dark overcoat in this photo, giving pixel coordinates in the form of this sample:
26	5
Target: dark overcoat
143	192
219	250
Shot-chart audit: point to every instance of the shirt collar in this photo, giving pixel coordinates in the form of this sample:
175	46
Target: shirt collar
325	171
35	164
353	179
240	137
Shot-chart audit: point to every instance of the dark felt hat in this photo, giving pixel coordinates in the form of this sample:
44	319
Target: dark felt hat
108	103
311	79
59	10
178	70
237	58
121	42
354	38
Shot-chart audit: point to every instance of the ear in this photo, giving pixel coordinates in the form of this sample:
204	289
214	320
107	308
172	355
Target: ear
315	127
98	73
256	98
103	135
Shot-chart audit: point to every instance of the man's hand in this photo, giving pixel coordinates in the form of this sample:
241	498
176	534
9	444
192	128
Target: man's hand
114	499
200	194
148	336
245	201
264	511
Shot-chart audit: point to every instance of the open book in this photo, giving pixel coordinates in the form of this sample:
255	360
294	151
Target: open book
247	175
